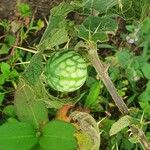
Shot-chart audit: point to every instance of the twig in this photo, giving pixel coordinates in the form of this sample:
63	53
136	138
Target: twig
26	49
102	70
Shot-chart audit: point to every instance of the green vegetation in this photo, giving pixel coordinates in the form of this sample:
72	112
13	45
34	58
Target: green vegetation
45	102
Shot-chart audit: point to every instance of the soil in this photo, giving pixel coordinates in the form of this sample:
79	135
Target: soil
42	7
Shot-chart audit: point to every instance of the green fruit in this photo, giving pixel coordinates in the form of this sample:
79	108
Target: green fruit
66	71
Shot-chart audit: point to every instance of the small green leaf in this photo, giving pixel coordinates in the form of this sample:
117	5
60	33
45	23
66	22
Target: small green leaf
122	123
144	30
34	70
146	70
7	44
3	78
145	106
28	106
58	135
93	94
24	9
124	58
145	95
5	68
9	111
17	136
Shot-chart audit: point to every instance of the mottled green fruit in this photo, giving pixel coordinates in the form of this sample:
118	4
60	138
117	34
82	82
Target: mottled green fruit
66	71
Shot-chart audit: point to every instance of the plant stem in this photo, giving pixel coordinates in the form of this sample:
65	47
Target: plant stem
141	137
103	74
102	70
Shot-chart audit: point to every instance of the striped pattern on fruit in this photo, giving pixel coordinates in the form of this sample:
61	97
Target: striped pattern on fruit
66	71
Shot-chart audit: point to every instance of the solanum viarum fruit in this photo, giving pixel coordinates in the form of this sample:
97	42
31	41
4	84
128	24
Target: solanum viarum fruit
66	71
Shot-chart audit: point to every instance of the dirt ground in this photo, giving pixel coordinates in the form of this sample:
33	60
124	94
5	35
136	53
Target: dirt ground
7	7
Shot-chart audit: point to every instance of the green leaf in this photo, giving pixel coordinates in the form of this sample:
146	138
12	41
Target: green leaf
34	70
144	30
58	37
17	136
58	135
114	73
146	70
9	111
145	107
52	25
102	6
145	95
7	44
124	58
24	9
56	29
93	94
4	49
28	104
5	68
122	123
96	28
62	9
131	9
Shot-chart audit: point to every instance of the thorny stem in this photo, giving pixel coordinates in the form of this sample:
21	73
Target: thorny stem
141	137
102	71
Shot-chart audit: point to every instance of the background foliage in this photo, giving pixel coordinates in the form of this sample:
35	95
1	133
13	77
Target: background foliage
30	110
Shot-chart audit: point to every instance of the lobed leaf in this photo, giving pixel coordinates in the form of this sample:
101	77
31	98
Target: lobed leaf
56	33
96	28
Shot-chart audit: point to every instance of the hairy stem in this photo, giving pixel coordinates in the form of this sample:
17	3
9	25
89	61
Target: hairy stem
102	71
103	74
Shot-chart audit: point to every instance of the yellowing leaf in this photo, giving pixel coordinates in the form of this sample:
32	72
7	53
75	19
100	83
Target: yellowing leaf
88	125
84	141
123	122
